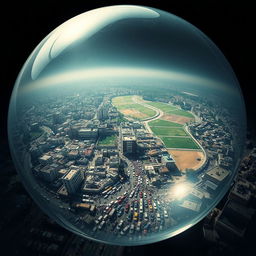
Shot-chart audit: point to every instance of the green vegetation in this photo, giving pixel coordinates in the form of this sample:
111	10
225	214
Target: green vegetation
180	112
170	109
168	131
107	141
160	122
163	106
128	107
176	142
122	100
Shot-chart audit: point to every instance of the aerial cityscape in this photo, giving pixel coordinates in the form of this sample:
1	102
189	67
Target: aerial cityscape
127	126
122	163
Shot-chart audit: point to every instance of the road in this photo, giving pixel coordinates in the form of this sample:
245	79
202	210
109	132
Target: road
159	112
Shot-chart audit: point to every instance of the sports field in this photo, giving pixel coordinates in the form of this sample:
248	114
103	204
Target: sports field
163	106
164	123
170	109
179	142
170	125
168	131
107	141
188	159
129	108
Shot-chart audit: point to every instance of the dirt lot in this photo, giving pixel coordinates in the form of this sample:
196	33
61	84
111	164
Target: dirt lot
187	159
175	118
133	113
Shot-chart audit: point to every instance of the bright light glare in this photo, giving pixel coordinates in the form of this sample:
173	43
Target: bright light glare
181	190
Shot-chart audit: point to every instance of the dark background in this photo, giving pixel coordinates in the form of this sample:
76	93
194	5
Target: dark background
228	24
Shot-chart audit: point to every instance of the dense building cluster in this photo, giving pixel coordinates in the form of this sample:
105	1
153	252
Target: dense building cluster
107	172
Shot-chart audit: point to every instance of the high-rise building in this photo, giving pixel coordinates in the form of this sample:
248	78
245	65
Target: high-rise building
102	113
129	145
169	162
48	173
72	181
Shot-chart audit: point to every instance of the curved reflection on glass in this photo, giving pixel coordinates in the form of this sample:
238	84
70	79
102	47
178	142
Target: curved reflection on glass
126	125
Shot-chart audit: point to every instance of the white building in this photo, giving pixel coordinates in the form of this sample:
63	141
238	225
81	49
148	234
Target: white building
72	181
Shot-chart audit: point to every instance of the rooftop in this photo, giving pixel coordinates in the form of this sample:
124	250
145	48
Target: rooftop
129	138
70	175
45	157
218	173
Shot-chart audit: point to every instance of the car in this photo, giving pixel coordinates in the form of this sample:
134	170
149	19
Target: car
125	229
106	209
100	218
135	216
131	229
118	208
129	216
131	194
138	226
166	214
127	206
101	224
158	216
145	216
109	210
120	212
120	224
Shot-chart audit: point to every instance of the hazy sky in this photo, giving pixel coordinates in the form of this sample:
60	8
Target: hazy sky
128	42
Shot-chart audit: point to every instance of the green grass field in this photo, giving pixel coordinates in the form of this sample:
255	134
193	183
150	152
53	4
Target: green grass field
170	109
163	106
107	141
168	131
180	112
164	123
122	100
176	142
123	103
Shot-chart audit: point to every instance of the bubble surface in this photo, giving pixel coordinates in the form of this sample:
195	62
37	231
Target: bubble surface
126	125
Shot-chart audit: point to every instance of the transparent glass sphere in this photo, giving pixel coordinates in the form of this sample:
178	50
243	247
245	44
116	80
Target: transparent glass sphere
126	125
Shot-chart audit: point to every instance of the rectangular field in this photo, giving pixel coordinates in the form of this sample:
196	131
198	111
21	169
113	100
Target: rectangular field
129	108
122	100
176	142
164	123
180	112
170	109
168	131
163	106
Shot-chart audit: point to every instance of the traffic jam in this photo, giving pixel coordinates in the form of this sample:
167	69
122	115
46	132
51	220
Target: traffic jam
133	207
